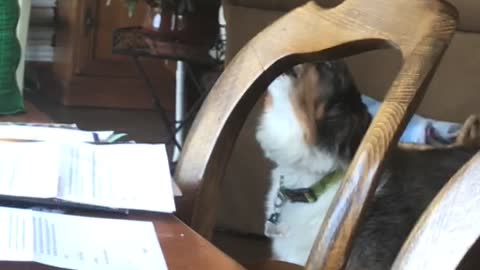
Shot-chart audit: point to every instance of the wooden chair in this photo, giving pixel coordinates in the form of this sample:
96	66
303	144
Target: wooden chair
420	29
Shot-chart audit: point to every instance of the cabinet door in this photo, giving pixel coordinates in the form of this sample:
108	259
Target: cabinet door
98	77
100	21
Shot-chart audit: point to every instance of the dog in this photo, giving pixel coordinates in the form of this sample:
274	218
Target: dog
312	124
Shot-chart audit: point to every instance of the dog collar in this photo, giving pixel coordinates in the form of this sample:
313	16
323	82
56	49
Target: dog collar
303	195
311	194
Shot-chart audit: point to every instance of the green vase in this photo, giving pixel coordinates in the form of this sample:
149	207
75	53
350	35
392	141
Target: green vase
11	100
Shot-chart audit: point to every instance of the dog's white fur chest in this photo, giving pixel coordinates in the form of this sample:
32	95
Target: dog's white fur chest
299	223
298	165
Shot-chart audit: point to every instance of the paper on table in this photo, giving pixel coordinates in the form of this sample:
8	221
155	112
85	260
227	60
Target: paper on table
122	176
130	176
29	169
78	242
16	235
57	134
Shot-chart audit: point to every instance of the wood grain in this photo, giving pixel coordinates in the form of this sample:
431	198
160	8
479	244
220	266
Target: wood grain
88	71
137	41
421	30
185	249
449	226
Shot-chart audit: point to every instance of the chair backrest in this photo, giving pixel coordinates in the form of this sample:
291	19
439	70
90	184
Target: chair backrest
420	29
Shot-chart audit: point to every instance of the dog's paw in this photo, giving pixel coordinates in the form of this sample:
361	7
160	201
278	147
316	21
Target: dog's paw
276	230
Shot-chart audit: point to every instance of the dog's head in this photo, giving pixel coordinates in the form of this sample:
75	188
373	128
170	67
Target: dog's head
312	107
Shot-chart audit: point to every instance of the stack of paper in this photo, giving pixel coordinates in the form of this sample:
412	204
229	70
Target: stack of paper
118	176
60	164
76	242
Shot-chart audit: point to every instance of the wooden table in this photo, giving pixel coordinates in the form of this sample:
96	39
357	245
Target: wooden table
183	248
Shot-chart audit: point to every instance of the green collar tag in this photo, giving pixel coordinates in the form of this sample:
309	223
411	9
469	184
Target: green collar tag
311	194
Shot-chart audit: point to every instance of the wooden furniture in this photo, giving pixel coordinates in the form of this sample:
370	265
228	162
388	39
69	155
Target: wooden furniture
88	72
133	41
421	34
182	247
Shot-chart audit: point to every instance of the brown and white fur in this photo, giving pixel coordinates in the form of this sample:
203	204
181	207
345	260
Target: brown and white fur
312	124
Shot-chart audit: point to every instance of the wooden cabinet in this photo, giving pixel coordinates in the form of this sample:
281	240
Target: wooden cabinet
88	72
